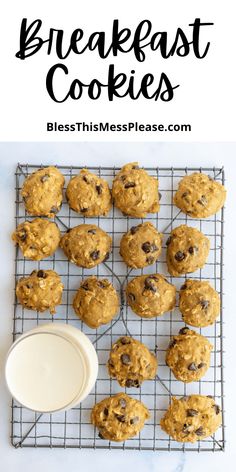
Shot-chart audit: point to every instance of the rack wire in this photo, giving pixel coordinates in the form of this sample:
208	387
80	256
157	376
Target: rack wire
72	429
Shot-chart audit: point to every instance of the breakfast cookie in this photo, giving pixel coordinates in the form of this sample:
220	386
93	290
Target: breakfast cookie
131	362
119	417
96	302
199	196
42	192
141	245
187	250
135	192
86	245
188	355
150	295
37	239
88	194
191	418
199	303
40	291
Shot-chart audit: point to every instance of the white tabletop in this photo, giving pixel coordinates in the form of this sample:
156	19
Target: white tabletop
152	154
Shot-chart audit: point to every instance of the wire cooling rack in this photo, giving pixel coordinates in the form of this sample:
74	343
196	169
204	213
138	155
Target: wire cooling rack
72	429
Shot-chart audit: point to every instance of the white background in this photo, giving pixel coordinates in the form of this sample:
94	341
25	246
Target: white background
205	98
162	154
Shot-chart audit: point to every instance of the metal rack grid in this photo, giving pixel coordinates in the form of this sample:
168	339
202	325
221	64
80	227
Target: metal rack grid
72	429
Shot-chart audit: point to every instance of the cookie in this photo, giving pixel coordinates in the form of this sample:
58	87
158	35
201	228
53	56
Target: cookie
37	239
150	295
119	417
131	362
40	291
88	194
135	192
199	303
141	245
192	418
42	192
187	250
188	355
96	302
86	245
199	196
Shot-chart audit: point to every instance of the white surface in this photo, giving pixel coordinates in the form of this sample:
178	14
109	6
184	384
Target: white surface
205	98
166	154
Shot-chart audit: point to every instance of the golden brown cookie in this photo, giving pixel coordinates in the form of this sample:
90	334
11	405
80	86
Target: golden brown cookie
42	192
37	239
135	192
187	250
96	302
141	245
86	245
150	295
191	418
199	303
131	362
40	291
199	196
119	417
188	355
88	194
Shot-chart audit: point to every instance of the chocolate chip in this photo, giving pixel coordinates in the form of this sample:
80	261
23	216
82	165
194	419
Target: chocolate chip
203	200
132	383
107	255
44	178
149	285
95	255
217	409
123	177
100	436
85	179
179	256
29	285
22	235
200	431
210	396
134	229
168	241
183	287
193	250
122	403
192	367
125	359
85	286
191	412
124	340
41	274
130	185
135	167
83	210
201	365
184	195
185	429
150	260
110	362
120	418
134	420
131	297
69	229
172	343
146	247
159	195
204	304
99	189
184	330
92	231
105	411
101	284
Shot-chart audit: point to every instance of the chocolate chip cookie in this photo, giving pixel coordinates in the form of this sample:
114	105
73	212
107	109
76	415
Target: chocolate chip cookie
131	362
150	295
37	239
199	196
119	417
86	245
42	192
187	250
40	291
199	303
141	245
191	418
88	194
135	192
188	355
96	302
